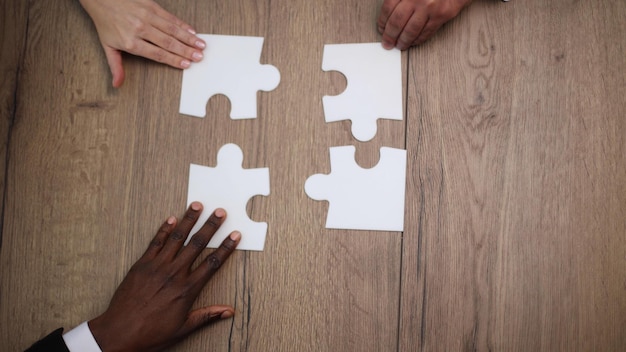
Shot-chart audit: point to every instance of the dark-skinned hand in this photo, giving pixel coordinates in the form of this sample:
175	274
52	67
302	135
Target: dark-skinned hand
151	309
404	23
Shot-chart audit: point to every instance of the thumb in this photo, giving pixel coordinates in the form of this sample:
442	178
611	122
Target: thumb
114	58
204	316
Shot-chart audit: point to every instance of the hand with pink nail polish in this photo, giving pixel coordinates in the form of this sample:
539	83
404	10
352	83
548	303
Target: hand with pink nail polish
404	23
151	309
142	28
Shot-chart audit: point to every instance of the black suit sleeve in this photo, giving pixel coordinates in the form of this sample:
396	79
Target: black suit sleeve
51	343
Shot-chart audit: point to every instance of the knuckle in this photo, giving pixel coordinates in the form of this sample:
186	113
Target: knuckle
190	216
190	39
164	228
197	243
395	19
170	44
229	245
177	235
212	222
139	27
156	243
171	28
213	261
393	28
130	46
412	30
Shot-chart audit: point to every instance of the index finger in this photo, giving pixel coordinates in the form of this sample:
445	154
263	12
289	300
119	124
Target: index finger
178	236
159	239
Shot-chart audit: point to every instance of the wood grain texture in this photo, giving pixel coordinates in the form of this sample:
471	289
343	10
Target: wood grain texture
515	233
66	193
13	30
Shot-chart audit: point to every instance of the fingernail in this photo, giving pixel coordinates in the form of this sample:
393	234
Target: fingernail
171	220
235	236
387	45
197	56
200	44
185	64
196	206
192	31
220	213
226	314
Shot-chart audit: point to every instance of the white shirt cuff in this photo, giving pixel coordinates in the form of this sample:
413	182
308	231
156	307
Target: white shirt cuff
80	339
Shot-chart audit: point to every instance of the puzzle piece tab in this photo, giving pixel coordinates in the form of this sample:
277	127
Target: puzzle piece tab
362	199
229	186
230	67
374	88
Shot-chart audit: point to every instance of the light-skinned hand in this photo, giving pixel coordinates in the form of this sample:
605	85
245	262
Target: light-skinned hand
142	28
404	23
151	309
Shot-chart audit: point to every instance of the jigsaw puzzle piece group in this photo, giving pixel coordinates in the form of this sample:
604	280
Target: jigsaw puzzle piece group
363	199
367	199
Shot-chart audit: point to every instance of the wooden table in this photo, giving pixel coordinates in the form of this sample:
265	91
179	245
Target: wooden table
515	223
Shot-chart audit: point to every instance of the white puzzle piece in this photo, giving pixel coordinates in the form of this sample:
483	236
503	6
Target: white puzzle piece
228	186
230	67
374	88
362	199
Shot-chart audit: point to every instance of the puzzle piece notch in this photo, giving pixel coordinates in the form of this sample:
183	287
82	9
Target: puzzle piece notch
374	88
230	67
362	199
229	186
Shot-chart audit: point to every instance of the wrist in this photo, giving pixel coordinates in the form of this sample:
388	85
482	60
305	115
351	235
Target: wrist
105	335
